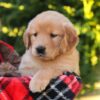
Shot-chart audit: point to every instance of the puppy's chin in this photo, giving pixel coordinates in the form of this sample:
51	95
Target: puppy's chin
43	57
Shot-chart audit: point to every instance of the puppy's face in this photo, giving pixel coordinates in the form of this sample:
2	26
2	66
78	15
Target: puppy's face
48	37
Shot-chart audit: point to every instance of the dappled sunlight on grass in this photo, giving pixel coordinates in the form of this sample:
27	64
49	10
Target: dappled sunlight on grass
97	85
90	95
93	97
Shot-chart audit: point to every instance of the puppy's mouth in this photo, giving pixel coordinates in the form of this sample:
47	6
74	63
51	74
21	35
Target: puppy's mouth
43	57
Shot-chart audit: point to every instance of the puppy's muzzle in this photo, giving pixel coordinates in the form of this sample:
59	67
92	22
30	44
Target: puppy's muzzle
40	50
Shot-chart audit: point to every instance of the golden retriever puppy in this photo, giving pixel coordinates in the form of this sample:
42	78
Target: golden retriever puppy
51	40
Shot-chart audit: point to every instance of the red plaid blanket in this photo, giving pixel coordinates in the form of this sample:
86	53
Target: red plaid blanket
14	88
64	87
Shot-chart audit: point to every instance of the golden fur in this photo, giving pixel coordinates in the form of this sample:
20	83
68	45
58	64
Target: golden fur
61	54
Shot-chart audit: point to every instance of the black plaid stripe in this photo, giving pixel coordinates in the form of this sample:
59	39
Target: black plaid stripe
26	96
22	80
57	90
4	83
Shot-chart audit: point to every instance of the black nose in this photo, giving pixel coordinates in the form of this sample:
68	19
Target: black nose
40	50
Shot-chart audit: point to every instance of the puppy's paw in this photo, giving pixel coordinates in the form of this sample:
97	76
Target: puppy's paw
37	85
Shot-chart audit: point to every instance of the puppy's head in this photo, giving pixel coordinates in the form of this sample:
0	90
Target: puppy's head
50	34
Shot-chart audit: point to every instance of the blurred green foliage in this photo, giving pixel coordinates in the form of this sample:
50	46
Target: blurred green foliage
85	14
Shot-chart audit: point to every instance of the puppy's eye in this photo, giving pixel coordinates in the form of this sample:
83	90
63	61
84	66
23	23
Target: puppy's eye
53	35
34	34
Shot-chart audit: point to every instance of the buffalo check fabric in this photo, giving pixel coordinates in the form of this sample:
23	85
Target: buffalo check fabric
64	87
15	87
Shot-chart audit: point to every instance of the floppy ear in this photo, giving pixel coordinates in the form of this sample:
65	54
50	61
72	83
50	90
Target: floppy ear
26	39
71	36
